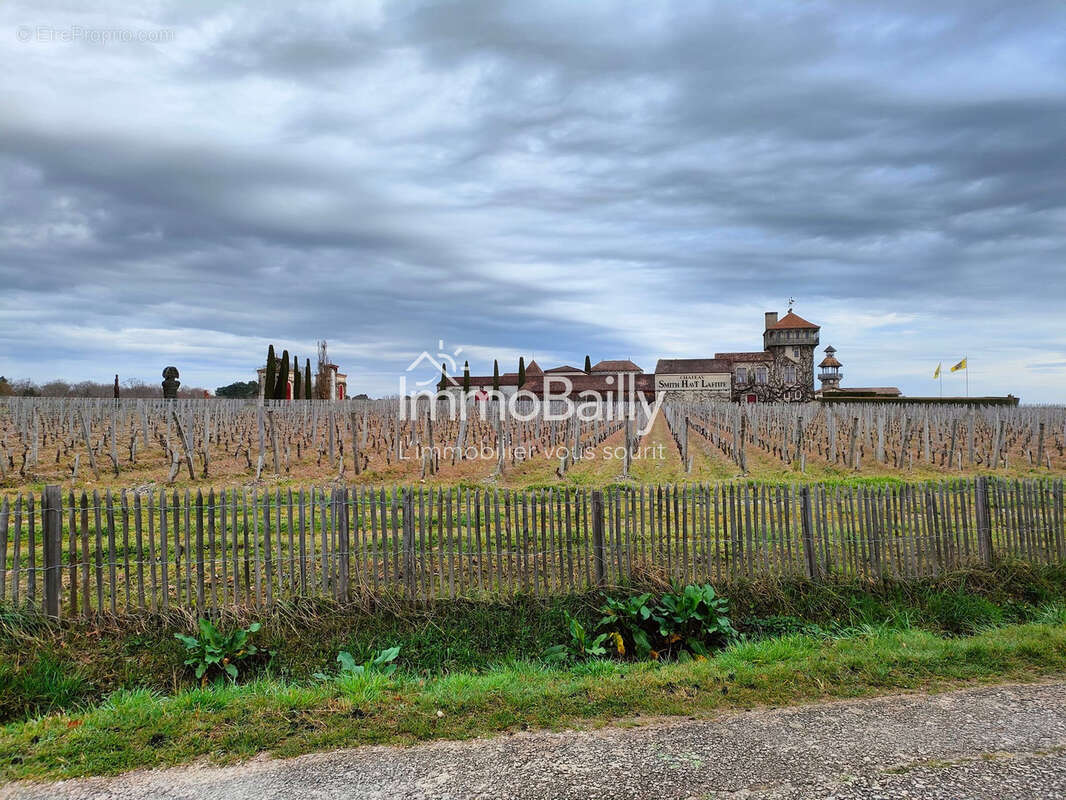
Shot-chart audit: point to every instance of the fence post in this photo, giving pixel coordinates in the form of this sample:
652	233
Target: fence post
340	510
53	545
409	541
808	532
598	557
984	519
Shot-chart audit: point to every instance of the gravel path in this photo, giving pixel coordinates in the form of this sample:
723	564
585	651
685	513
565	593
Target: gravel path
989	742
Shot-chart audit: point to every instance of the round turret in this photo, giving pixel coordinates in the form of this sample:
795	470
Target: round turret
830	375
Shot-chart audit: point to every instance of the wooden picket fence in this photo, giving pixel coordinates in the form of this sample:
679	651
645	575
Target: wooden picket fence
87	554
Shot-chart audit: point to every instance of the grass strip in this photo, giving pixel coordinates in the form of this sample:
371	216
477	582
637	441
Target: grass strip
225	723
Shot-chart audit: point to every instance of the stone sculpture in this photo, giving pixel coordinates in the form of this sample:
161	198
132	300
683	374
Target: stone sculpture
170	383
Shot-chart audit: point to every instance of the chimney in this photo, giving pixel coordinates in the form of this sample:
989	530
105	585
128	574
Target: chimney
771	319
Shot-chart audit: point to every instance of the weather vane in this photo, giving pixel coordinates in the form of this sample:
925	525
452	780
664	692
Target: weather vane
791	302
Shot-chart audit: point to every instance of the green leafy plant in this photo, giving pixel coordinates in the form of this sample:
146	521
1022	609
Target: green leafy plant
363	683
693	616
632	618
582	644
212	651
382	663
683	622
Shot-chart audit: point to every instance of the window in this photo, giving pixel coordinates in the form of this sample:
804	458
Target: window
790	375
795	352
742	374
760	374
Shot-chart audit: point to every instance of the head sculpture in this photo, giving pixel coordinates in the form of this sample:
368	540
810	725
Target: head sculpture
170	383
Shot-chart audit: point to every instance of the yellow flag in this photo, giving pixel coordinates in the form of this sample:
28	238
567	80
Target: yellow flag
937	373
960	365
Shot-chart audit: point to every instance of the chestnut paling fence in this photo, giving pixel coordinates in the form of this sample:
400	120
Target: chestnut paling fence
81	554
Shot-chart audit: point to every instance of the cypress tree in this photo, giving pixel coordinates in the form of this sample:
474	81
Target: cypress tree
588	365
466	376
443	377
281	390
495	374
521	371
296	387
307	380
271	377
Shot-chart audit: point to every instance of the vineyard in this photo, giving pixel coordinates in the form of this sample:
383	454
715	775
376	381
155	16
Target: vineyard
209	503
96	443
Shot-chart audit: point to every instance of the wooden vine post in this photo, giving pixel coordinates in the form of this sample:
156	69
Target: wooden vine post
53	548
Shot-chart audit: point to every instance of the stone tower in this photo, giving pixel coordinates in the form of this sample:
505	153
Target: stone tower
791	340
830	375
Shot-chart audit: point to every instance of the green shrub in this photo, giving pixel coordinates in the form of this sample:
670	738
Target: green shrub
212	651
694	617
582	644
632	618
383	662
363	683
688	620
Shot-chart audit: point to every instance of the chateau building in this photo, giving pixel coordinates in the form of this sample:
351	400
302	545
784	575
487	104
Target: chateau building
620	378
783	371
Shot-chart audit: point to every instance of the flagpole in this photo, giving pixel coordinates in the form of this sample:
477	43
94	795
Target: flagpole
967	371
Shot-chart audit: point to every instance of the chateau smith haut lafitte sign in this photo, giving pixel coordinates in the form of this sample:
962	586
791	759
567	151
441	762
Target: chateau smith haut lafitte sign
694	382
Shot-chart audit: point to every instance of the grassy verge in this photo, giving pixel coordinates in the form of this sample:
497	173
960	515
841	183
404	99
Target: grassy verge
141	728
100	696
46	667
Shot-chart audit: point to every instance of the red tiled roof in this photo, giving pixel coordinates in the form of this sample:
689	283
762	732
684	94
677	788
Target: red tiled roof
483	380
830	361
564	368
792	320
601	383
620	365
533	368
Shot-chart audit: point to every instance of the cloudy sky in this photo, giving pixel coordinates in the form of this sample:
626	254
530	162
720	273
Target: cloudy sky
553	179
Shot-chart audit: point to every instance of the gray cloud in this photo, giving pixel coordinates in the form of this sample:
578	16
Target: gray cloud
612	178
